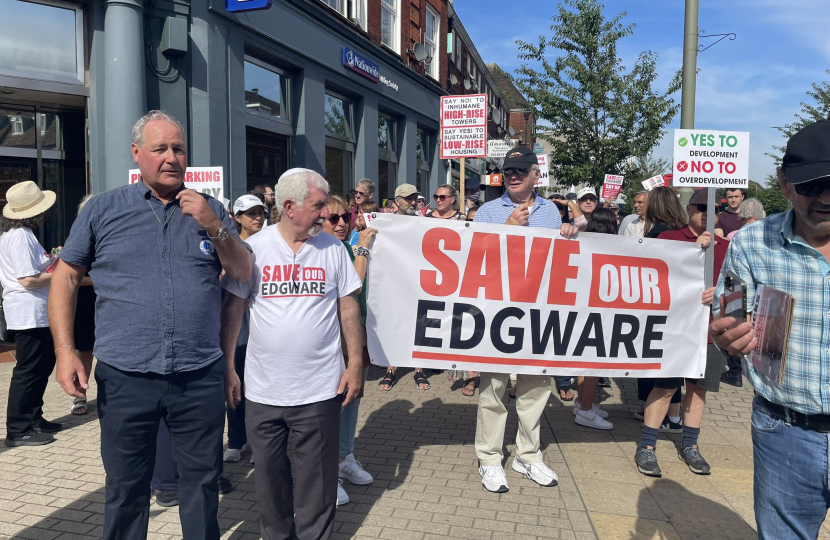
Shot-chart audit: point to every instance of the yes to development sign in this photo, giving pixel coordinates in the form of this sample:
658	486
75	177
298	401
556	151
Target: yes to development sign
464	126
718	159
208	180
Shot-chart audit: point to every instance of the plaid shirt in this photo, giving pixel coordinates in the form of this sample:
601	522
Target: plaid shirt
769	253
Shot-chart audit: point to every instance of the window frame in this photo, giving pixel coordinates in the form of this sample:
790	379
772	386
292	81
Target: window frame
269	122
395	37
348	114
433	68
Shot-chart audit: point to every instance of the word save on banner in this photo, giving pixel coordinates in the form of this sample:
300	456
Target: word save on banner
612	186
207	180
498	298
717	159
464	126
544	176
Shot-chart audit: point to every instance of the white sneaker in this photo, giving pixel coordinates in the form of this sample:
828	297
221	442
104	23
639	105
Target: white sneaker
251	461
353	471
232	455
599	412
592	420
342	496
493	478
538	472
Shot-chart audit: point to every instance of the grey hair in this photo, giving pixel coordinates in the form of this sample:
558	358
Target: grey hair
83	202
138	128
752	208
370	186
535	167
297	187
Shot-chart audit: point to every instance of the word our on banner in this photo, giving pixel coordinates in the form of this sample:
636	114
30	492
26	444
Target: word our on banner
711	159
500	298
544	173
464	126
207	180
612	186
653	182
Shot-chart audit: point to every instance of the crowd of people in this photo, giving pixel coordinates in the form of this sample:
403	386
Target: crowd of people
256	316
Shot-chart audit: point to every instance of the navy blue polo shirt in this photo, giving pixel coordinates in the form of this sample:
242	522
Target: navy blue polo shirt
156	275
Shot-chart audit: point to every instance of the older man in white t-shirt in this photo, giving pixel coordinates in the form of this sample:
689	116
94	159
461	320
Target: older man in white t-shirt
302	294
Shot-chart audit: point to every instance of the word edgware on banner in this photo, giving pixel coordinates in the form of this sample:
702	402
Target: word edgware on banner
498	298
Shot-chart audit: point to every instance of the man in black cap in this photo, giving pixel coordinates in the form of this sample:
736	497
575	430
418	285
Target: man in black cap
518	206
790	420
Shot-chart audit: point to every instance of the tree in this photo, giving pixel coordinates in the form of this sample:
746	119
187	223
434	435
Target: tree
601	115
641	169
771	197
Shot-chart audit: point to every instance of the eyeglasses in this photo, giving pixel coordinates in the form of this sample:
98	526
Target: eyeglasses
702	208
334	219
362	193
439	197
588	199
412	198
514	170
813	188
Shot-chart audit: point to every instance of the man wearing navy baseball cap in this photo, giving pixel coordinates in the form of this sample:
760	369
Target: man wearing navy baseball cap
790	419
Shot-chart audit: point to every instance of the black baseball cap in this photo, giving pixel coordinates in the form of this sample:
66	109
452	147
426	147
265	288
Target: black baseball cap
520	157
808	154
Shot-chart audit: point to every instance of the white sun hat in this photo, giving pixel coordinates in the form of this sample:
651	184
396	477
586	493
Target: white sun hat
26	200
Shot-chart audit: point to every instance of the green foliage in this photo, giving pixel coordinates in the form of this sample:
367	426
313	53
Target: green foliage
601	114
642	168
818	109
771	197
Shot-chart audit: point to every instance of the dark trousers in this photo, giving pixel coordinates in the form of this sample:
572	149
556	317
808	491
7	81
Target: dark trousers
237	438
35	357
562	383
733	364
130	407
645	386
315	432
166	470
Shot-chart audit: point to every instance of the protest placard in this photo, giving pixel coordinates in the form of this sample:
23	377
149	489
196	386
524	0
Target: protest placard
711	159
464	126
544	178
208	180
497	298
612	186
653	182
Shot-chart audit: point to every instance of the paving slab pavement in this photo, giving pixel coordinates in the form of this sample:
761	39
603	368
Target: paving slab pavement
419	447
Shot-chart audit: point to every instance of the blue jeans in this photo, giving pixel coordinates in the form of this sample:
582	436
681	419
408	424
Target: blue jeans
791	477
348	424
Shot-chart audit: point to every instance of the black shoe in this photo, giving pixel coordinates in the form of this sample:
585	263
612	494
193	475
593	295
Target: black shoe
646	461
604	382
32	438
671	427
225	485
732	378
46	426
166	498
691	457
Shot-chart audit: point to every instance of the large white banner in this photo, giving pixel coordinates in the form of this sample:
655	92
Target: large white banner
497	298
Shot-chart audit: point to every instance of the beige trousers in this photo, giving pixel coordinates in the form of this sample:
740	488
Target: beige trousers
532	394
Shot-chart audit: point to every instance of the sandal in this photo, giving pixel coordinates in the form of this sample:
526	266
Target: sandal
78	406
469	389
565	394
420	379
388	380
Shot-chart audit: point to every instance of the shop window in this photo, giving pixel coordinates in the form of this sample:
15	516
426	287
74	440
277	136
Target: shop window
17	128
266	156
422	158
338	116
431	42
389	24
340	143
42	41
387	155
386	128
266	90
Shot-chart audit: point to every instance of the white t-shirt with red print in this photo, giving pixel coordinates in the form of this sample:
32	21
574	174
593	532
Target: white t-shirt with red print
294	355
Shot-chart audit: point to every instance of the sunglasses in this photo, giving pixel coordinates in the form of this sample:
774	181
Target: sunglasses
362	193
439	197
334	219
813	188
585	199
411	199
702	208
514	170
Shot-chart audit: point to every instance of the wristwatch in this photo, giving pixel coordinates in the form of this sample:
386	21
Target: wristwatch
222	234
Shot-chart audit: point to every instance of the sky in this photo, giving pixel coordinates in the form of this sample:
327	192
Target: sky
754	83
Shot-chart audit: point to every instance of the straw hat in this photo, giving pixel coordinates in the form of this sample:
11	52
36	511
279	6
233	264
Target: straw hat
26	200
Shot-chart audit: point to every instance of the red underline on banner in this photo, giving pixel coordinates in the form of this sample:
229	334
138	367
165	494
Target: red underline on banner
294	296
530	362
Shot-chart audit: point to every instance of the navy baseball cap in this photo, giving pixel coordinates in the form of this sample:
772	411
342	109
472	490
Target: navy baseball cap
520	157
808	154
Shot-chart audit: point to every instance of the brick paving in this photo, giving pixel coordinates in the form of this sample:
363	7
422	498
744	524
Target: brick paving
419	447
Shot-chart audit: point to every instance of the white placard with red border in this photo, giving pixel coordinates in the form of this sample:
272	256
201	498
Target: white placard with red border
208	180
653	182
612	186
464	126
507	299
544	173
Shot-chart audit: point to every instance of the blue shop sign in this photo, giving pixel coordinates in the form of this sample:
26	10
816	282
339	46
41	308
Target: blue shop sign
357	63
237	6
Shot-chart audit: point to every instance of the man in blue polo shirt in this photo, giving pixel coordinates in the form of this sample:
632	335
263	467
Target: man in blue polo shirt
155	251
518	206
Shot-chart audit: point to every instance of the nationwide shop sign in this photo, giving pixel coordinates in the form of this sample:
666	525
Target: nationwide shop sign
357	63
612	186
506	299
718	159
238	6
544	175
208	180
464	126
653	182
